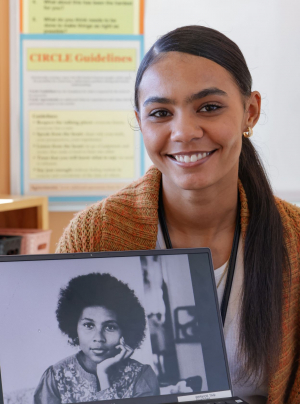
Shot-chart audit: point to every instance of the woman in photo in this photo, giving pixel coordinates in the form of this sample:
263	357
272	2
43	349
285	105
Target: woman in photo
107	327
196	110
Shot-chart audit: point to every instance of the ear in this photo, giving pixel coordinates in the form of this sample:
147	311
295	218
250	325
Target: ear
253	109
137	116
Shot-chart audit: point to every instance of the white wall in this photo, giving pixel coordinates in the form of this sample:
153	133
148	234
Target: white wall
268	33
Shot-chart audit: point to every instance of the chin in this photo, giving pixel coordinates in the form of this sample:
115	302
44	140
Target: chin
192	184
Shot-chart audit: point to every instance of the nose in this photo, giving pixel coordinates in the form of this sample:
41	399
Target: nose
99	336
186	127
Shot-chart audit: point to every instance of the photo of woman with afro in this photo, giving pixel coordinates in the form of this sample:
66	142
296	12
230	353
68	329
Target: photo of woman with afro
103	317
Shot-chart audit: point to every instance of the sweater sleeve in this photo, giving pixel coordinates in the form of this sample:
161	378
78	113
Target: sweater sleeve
83	232
46	391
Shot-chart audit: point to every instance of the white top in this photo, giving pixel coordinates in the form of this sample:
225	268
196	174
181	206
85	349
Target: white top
248	391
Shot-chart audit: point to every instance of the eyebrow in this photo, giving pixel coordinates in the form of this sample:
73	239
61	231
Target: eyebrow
110	321
158	100
204	93
197	96
93	321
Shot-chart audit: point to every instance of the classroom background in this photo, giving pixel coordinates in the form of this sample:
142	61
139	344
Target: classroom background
268	33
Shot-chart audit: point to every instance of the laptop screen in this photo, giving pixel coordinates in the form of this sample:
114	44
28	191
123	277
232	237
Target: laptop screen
105	326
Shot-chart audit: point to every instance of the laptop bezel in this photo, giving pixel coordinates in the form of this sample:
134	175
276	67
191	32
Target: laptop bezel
133	253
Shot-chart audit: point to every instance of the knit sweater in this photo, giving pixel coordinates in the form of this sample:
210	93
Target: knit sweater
128	220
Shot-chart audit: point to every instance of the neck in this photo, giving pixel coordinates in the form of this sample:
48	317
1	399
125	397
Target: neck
202	218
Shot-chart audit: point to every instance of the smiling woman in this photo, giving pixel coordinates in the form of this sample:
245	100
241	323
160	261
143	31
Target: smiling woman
194	138
196	109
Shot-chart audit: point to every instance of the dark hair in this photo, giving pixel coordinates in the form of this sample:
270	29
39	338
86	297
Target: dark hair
199	41
103	290
265	253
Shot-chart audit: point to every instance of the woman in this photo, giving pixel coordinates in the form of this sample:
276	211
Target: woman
196	110
107	327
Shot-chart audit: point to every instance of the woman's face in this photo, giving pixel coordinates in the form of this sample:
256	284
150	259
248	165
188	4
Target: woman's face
98	332
192	117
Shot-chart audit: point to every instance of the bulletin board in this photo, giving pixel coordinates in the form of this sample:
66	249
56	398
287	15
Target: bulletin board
74	137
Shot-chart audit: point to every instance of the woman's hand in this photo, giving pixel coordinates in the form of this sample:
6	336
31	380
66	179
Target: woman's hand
125	351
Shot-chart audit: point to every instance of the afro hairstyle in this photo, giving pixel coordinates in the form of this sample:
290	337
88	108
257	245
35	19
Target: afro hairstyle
103	290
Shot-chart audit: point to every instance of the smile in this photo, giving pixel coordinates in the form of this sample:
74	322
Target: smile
191	157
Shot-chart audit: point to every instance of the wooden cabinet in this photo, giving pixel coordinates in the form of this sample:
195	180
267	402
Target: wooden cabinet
24	212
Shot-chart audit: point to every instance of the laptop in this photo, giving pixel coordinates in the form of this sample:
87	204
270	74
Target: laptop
136	326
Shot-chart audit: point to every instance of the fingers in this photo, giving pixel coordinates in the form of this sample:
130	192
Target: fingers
128	349
122	352
128	353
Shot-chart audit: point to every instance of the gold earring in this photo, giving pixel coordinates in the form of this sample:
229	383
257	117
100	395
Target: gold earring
249	133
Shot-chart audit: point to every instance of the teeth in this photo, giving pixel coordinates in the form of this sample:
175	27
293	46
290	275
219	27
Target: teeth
191	159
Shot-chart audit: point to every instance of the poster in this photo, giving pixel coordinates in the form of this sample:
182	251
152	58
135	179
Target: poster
77	137
81	16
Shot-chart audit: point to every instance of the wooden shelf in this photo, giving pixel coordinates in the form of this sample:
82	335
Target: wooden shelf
24	212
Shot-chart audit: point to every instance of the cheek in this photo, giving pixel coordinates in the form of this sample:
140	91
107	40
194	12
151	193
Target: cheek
230	139
114	339
83	337
154	141
236	144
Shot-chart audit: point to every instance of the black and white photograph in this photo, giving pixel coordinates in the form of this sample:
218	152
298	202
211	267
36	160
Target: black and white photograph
72	332
170	309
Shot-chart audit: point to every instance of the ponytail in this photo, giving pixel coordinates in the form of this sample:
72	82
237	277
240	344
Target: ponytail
265	256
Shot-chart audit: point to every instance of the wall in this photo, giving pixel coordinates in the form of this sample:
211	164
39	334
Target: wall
57	222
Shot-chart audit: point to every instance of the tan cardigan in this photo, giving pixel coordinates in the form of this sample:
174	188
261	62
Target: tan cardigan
128	220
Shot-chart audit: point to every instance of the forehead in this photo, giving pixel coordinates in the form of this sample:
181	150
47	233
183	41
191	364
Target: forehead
98	313
176	74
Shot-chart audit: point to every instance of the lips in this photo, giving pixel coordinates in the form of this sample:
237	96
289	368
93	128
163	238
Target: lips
99	351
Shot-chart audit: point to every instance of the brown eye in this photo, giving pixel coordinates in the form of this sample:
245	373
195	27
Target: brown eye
88	325
111	327
161	113
209	108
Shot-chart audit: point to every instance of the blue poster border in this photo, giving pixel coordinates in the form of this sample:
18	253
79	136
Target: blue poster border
72	37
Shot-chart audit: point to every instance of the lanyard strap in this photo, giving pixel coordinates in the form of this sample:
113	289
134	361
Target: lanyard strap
233	254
